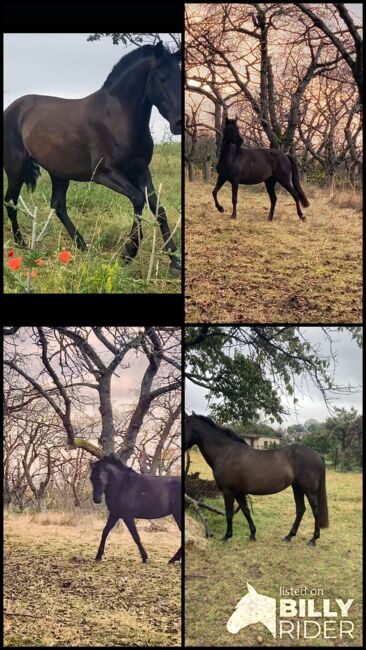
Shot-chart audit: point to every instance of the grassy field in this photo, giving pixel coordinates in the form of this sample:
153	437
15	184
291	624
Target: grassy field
216	574
57	595
253	270
104	218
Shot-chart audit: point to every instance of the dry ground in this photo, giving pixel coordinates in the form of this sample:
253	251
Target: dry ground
253	270
216	574
57	595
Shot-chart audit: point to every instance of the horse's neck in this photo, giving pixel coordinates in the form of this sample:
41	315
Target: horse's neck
227	151
130	90
211	447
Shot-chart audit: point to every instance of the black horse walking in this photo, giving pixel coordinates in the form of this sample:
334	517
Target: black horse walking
104	138
240	470
242	166
131	496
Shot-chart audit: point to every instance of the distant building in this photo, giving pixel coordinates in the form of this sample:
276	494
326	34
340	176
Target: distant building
258	441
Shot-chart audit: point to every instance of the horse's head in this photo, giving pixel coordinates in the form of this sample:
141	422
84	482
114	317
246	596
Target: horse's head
231	132
190	437
164	86
99	479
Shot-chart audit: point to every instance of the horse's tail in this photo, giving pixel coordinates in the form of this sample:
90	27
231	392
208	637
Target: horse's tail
31	171
296	183
322	502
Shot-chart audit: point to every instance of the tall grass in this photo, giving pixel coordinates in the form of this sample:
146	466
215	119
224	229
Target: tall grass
105	220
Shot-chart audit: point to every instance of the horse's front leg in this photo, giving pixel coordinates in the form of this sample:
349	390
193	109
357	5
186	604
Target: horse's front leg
115	180
234	188
112	520
145	181
130	523
229	508
219	183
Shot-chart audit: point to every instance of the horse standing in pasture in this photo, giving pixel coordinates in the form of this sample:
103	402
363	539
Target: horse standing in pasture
239	470
130	495
104	138
242	166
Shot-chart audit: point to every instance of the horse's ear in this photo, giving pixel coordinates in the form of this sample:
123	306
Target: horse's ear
227	120
178	55
159	50
251	589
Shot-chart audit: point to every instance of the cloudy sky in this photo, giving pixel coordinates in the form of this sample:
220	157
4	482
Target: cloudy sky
311	404
64	65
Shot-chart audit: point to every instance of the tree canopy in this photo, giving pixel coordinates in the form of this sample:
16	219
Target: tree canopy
248	370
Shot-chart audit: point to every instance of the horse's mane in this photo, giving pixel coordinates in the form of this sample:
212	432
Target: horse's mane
114	460
224	430
128	61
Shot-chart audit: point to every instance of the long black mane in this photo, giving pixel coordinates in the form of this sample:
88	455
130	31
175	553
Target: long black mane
224	430
117	462
128	61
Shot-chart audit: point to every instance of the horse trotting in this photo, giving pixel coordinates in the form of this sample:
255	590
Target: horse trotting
104	138
242	166
130	495
239	470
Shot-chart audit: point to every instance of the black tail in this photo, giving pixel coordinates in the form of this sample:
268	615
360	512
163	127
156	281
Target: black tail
296	183
322	503
31	171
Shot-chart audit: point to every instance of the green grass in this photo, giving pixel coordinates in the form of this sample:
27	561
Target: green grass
104	218
252	270
216	574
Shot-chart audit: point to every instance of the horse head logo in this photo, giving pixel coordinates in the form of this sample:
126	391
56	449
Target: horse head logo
253	608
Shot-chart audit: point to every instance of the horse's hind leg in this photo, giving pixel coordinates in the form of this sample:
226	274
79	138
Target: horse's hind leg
270	185
219	183
178	554
244	506
300	509
15	182
58	202
287	185
133	530
313	500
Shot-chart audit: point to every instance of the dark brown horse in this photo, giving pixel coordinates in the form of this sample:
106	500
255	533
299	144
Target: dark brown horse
240	470
130	495
104	138
242	166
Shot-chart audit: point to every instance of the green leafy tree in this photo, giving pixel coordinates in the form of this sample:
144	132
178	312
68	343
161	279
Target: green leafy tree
345	431
247	370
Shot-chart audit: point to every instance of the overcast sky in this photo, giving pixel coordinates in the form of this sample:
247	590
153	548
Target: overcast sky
64	65
311	403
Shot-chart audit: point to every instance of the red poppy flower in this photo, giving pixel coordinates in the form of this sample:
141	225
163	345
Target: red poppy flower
65	257
11	253
33	273
15	263
39	262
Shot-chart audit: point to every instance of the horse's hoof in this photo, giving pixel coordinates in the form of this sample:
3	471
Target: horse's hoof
233	216
220	208
175	269
98	559
252	539
144	560
224	539
311	543
286	539
303	219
